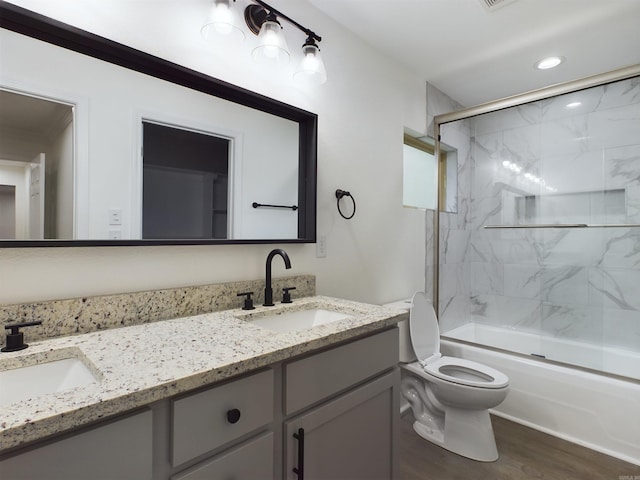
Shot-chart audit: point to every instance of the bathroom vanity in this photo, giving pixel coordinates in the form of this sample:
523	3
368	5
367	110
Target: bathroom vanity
215	396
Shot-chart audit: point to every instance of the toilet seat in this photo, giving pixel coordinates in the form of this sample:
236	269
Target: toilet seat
466	372
425	339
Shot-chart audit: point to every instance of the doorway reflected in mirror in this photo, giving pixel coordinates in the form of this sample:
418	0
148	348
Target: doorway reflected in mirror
36	163
185	183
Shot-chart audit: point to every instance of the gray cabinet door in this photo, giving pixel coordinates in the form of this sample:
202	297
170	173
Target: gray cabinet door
348	438
119	449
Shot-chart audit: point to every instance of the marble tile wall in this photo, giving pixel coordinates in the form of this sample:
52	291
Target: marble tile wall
82	315
458	138
546	162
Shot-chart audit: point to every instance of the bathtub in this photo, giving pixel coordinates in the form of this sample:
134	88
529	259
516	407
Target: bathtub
594	410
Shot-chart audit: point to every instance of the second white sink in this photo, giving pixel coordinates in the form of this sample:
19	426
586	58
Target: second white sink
23	383
299	320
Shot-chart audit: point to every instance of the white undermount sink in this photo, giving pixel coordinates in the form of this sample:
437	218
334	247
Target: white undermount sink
43	378
298	320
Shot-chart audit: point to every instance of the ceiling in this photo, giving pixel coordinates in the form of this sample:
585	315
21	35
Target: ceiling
30	115
475	54
472	53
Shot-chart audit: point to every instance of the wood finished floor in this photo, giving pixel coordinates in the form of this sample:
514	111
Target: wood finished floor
524	454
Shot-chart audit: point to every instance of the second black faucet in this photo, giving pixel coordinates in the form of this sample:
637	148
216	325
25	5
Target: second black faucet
268	291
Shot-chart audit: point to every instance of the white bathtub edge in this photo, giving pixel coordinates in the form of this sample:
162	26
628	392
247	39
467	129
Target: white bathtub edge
568	438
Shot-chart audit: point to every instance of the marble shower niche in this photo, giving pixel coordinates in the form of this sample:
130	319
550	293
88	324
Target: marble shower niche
547	241
580	209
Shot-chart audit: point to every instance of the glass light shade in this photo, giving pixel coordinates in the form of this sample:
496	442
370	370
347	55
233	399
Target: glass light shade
311	70
222	22
272	46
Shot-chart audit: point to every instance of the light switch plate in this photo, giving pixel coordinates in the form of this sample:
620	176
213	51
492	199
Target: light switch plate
115	216
321	246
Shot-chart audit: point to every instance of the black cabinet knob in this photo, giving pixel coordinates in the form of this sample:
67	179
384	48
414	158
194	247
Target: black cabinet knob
233	415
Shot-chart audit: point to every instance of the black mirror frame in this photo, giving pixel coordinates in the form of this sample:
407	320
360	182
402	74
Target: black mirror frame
26	22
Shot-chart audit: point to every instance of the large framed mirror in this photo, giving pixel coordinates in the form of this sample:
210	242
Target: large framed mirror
102	144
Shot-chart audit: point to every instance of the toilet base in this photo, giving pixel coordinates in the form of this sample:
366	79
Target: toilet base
467	432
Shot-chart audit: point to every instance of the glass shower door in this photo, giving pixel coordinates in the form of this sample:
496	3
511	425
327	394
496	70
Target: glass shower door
543	255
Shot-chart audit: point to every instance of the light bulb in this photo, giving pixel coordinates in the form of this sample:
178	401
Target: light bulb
221	22
272	46
223	19
311	70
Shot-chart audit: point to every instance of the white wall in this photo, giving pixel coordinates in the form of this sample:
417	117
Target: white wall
376	257
7	211
62	156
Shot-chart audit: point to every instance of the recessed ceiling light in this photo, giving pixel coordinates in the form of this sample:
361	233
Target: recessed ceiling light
549	62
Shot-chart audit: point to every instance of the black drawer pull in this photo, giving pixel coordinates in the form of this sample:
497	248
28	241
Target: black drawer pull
300	469
233	415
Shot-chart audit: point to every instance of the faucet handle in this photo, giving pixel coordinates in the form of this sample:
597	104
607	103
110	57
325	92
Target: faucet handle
286	296
15	338
248	301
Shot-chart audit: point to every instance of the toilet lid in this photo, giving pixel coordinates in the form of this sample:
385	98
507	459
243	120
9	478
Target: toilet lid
423	327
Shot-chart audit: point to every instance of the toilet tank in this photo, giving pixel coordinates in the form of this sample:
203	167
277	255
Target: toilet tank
406	349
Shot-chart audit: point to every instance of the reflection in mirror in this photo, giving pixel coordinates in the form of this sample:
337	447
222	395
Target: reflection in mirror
36	167
105	188
184	183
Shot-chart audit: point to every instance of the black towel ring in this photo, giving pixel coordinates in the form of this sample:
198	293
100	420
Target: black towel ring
339	195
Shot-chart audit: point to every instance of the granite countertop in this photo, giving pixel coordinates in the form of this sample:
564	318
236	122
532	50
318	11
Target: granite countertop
141	364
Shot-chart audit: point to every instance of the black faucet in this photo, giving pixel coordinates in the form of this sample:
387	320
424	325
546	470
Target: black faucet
268	291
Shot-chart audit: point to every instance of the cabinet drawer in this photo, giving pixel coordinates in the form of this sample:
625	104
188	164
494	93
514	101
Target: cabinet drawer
201	422
251	461
319	376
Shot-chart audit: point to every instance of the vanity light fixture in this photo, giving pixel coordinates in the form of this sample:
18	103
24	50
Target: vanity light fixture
549	62
264	21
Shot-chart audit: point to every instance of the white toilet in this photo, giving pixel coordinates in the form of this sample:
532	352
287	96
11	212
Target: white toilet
449	397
